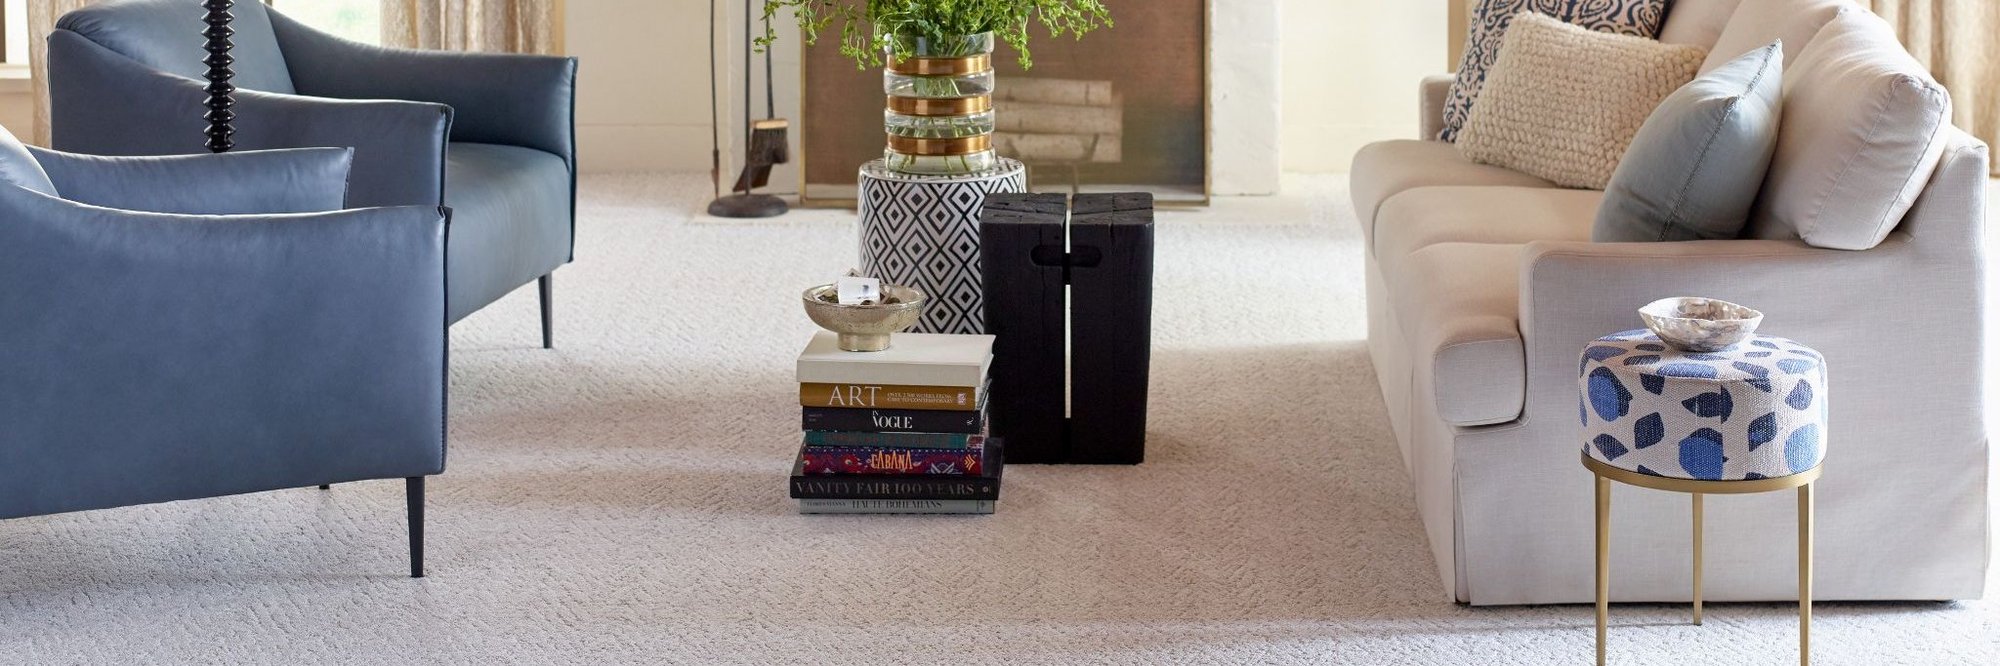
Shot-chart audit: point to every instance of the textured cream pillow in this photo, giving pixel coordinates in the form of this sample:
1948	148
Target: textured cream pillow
1562	102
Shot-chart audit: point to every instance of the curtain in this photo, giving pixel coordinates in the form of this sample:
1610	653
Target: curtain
510	26
1956	40
42	15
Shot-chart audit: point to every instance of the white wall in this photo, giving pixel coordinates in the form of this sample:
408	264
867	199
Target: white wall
642	84
1351	69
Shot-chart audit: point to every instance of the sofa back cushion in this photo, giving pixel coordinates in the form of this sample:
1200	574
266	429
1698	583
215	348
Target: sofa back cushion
166	35
1563	101
1697	22
1693	171
1488	30
1757	22
1861	132
18	167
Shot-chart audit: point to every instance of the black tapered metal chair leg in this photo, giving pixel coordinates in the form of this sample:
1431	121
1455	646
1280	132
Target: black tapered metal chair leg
548	311
414	493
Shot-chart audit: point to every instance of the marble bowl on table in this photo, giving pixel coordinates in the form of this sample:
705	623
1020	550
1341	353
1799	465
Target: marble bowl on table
865	328
1699	324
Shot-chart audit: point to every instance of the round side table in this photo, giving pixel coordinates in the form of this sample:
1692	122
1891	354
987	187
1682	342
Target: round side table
923	231
1748	419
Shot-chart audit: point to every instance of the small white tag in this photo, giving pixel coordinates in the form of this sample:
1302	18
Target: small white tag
855	290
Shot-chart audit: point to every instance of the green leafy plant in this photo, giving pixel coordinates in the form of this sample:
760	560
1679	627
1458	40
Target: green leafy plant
897	24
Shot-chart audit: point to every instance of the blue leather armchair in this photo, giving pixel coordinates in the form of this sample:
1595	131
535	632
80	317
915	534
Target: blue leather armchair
490	136
204	325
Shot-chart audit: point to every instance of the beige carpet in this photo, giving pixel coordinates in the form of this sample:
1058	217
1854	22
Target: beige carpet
622	500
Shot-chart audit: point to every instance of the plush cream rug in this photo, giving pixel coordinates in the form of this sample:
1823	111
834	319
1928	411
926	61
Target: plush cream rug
622	500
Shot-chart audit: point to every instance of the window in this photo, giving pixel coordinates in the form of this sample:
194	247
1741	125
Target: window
358	20
14	32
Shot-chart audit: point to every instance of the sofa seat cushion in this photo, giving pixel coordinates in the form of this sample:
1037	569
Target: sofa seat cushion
1429	216
1458	304
1386	168
510	221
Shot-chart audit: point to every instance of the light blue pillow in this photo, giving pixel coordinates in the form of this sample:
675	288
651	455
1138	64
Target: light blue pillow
1693	170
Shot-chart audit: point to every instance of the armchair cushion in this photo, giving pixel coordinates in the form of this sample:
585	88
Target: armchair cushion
166	35
252	182
1386	168
510	220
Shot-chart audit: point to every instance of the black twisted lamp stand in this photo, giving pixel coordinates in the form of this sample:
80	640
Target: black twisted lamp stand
221	100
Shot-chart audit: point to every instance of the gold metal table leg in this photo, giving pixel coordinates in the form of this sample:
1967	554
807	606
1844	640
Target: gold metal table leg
1805	573
1603	561
1697	558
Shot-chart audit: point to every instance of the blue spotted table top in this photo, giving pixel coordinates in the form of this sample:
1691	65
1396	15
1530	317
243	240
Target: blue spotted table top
1719	410
1642	352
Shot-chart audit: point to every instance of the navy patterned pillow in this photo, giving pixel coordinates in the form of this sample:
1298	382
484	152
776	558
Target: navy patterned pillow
1639	18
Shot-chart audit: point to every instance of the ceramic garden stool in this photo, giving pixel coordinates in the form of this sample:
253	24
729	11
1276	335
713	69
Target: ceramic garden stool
1747	419
922	231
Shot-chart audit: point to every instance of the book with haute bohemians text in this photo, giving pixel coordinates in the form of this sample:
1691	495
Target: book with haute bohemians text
889	396
948	506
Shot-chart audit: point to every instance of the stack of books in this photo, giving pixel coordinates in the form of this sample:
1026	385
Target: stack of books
901	430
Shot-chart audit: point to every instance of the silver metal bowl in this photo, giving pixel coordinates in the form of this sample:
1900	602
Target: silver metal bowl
866	328
1697	324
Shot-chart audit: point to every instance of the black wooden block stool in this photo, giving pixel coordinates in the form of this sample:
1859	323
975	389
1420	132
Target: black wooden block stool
1097	251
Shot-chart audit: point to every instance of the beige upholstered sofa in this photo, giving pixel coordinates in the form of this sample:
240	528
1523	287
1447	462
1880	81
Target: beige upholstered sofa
1483	287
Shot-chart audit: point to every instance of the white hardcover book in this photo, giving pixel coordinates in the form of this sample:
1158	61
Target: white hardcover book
912	359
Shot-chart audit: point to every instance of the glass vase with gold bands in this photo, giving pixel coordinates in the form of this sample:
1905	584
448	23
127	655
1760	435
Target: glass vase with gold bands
938	116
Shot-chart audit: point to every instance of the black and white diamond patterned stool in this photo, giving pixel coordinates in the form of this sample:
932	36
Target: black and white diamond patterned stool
923	231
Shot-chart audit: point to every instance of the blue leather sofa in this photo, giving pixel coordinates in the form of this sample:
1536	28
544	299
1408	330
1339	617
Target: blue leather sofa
490	136
202	325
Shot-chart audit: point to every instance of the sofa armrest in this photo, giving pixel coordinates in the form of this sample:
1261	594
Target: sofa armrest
1431	97
1573	292
154	357
297	180
504	98
104	103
